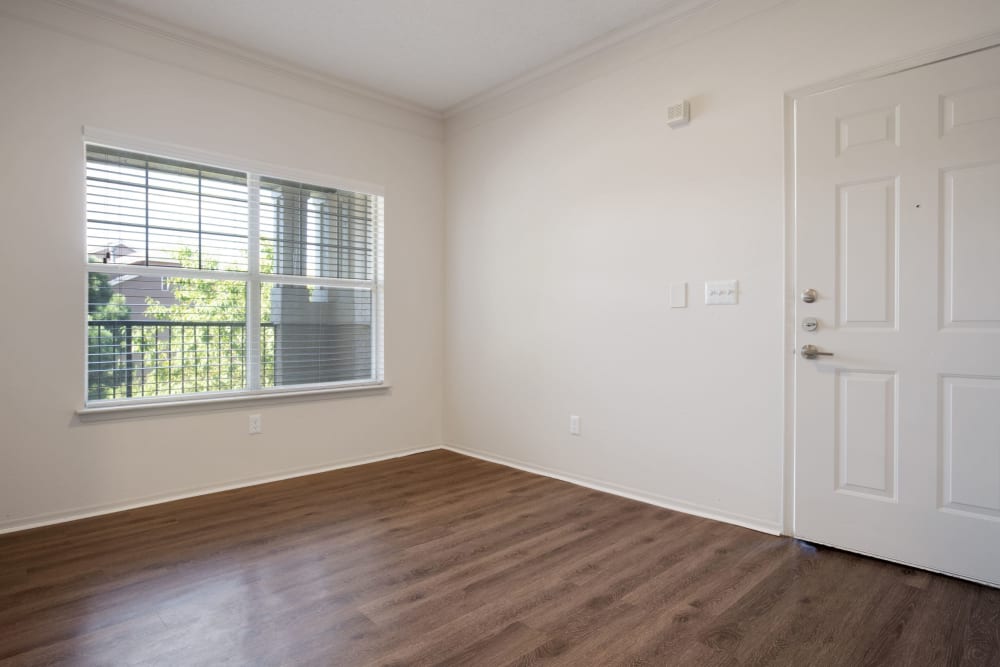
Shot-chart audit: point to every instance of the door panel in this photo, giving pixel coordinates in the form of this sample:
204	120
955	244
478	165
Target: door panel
971	414
867	226
866	433
897	436
971	245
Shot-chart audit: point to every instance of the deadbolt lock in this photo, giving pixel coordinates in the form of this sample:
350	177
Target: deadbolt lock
810	324
809	295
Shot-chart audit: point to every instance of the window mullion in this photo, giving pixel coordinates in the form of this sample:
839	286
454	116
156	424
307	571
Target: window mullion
253	284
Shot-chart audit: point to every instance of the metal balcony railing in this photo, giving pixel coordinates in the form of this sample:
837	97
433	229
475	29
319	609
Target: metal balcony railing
144	358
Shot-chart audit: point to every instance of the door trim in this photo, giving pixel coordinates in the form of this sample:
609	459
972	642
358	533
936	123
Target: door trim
955	50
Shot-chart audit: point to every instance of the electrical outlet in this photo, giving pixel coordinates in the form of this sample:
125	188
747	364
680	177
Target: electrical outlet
256	426
574	425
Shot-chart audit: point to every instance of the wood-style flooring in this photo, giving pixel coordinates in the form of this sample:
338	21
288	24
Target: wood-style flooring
439	559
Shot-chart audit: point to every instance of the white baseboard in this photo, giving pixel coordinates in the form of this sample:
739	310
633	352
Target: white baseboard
38	521
753	523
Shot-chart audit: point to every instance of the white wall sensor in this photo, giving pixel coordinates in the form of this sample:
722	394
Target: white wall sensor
679	114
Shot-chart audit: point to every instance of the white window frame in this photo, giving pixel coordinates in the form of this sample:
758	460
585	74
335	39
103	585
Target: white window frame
253	278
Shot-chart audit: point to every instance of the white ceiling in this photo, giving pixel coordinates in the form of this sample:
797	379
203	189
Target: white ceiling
435	53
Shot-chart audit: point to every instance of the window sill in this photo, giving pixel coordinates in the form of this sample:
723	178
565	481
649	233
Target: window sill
125	410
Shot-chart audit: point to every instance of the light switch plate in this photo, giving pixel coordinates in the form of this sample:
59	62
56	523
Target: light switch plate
679	295
722	292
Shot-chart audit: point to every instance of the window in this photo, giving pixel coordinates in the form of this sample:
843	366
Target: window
207	280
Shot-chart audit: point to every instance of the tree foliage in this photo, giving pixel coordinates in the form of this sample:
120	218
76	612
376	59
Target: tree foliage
193	342
106	340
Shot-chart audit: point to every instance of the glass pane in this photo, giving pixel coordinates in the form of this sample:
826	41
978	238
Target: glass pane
312	231
152	211
161	336
314	334
223	252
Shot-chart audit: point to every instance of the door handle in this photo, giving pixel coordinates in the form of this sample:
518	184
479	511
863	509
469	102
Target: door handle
811	352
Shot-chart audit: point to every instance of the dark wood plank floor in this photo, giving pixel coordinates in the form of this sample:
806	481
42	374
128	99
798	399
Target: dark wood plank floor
446	560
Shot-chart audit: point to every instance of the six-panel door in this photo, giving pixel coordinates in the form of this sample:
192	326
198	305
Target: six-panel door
897	436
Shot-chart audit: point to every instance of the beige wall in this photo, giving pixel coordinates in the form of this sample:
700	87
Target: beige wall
571	208
53	82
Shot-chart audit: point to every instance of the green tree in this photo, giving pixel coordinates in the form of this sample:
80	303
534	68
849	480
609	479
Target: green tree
107	345
198	342
103	303
209	354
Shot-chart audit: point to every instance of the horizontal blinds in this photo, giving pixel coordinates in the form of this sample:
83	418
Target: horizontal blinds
315	334
182	326
157	212
316	232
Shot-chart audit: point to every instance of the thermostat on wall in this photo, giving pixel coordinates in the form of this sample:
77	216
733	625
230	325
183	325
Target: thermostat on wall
678	114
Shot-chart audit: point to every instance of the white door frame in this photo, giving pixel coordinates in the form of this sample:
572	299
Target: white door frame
955	50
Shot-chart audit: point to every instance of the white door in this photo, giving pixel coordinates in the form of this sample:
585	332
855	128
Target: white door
897	435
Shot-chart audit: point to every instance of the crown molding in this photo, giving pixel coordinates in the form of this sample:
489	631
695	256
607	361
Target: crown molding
605	42
651	39
140	35
139	21
152	38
